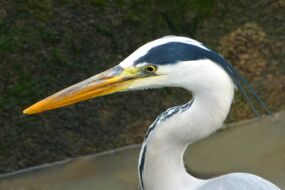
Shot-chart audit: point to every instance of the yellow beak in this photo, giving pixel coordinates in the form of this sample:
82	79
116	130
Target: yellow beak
113	80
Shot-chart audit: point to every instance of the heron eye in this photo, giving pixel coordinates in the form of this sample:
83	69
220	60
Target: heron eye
150	68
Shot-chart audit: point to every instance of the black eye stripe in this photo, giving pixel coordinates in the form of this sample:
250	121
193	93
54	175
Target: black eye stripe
171	53
174	52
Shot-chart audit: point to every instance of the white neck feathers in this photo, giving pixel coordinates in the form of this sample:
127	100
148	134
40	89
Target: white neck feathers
163	149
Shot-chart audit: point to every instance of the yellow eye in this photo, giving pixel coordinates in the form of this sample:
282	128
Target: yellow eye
150	68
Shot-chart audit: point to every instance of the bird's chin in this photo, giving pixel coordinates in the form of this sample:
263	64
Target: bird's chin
147	83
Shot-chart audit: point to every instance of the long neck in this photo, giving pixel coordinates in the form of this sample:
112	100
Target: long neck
161	160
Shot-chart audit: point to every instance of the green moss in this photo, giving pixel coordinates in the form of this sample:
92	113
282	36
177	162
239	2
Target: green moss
181	16
98	2
41	10
25	87
203	8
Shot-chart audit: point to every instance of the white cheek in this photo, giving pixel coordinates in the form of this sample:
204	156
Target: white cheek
149	82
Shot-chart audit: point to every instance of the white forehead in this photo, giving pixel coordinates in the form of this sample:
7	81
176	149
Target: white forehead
145	48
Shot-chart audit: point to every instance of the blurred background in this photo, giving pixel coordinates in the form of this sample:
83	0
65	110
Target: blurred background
47	45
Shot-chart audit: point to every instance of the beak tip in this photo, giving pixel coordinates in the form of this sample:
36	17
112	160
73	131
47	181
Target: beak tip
32	109
27	111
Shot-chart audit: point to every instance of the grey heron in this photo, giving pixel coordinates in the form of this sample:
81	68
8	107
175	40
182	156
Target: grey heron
172	61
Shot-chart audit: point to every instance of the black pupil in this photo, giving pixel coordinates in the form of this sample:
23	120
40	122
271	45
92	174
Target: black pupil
150	69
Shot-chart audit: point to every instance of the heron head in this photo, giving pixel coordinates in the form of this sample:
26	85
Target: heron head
159	63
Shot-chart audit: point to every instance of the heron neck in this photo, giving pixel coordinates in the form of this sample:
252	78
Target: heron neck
164	148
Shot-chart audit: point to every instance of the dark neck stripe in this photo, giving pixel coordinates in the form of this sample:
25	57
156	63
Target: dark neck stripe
141	166
162	117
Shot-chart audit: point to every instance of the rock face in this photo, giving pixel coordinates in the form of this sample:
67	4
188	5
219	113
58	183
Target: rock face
250	48
243	46
48	45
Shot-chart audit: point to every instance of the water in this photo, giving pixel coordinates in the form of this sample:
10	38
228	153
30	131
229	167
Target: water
256	146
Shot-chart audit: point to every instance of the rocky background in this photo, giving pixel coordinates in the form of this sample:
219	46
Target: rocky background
48	45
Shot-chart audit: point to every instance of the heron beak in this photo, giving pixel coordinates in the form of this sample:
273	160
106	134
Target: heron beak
113	80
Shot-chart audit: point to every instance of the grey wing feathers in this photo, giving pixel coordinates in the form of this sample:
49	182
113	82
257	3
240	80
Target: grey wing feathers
238	181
